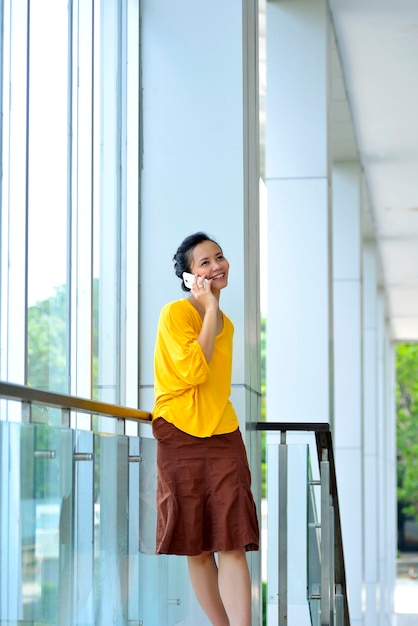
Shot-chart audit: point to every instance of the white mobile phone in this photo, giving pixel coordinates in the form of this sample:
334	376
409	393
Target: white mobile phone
189	278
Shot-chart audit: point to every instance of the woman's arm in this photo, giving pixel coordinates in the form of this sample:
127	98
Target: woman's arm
202	293
207	335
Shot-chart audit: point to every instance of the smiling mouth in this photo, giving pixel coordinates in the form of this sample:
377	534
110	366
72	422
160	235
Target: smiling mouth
218	276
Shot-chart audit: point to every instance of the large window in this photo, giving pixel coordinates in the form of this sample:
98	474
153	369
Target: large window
69	196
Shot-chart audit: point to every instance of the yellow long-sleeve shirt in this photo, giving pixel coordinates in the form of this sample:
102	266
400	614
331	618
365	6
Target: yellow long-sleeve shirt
190	393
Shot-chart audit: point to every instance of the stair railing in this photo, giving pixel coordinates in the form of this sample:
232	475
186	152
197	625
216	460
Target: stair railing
326	592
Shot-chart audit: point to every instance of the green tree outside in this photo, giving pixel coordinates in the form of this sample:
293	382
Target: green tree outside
407	427
48	343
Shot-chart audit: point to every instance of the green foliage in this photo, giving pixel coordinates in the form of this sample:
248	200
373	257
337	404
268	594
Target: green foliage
47	339
264	603
407	426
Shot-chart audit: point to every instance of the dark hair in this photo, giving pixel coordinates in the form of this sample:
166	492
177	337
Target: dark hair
183	256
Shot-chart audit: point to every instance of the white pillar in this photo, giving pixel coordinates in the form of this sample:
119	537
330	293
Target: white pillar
299	321
200	159
371	520
390	473
348	315
386	464
297	175
200	172
379	452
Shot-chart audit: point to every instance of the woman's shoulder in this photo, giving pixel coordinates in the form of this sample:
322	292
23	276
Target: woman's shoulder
179	316
176	306
177	309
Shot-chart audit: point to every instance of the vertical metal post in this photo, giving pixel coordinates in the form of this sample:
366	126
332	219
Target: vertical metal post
120	426
325	542
339	606
26	412
66	418
283	530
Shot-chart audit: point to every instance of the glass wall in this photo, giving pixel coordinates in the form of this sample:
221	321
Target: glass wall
69	313
69	196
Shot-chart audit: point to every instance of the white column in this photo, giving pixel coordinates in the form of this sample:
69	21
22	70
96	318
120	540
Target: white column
386	463
200	172
372	523
200	159
348	315
297	173
299	321
390	473
381	457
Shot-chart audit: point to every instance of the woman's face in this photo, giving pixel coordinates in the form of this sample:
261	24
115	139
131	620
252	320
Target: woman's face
208	261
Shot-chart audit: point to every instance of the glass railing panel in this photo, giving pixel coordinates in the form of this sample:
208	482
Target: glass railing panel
272	542
147	512
161	583
10	535
43	504
77	529
85	522
110	493
287	531
77	523
164	579
46	481
314	548
306	576
137	458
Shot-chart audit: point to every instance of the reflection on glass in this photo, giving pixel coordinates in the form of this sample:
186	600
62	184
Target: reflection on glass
46	123
84	547
46	520
47	194
70	153
47	343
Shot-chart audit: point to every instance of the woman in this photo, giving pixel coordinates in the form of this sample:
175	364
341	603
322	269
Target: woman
204	499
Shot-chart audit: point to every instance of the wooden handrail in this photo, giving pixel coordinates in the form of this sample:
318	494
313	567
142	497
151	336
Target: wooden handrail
25	393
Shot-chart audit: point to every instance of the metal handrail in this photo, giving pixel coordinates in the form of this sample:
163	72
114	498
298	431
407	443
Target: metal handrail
32	395
324	447
324	442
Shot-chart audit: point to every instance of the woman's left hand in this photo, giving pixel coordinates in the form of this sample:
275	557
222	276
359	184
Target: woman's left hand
202	291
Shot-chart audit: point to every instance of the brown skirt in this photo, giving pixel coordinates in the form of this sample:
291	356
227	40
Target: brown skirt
204	499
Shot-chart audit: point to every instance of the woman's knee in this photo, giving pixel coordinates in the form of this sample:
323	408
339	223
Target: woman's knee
237	554
202	558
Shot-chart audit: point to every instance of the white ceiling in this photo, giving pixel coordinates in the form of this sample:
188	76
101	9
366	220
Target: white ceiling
376	53
374	118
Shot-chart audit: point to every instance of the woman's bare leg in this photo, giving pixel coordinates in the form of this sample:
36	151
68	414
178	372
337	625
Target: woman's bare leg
203	573
235	586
